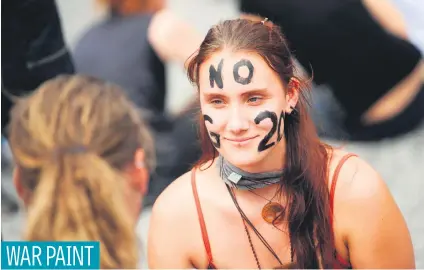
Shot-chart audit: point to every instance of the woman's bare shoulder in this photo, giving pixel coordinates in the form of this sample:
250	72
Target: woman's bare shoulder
176	199
356	177
174	231
360	193
367	217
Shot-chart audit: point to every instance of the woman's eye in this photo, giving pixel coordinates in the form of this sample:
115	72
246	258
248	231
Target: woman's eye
254	99
217	101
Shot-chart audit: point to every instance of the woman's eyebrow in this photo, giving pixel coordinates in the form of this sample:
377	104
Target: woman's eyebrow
250	92
214	95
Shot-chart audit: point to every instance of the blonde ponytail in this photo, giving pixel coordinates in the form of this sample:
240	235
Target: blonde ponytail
79	198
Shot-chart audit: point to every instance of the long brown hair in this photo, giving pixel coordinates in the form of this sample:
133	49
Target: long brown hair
71	140
306	174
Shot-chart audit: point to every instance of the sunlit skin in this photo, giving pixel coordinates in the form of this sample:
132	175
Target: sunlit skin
234	108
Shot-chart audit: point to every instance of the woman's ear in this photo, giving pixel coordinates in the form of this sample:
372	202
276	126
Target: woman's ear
292	95
20	190
141	173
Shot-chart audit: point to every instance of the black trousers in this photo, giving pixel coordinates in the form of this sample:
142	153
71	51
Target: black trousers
409	119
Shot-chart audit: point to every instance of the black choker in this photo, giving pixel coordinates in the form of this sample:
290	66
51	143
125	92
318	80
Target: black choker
240	179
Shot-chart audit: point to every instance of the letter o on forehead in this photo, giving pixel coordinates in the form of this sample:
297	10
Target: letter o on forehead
240	68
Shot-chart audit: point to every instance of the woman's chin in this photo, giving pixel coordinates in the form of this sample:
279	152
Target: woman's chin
248	162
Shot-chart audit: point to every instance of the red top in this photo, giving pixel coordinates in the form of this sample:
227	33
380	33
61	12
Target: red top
339	264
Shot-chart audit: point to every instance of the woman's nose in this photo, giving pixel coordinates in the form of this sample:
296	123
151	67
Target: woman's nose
237	122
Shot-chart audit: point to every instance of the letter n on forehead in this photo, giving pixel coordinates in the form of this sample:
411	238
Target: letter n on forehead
215	75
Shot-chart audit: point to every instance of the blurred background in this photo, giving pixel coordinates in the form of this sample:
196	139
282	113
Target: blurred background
398	157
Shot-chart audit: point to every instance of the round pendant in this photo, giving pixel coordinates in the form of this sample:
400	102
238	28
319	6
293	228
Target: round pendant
273	213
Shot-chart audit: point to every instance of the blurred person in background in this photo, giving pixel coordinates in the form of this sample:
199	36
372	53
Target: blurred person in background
130	48
360	50
267	192
83	157
33	51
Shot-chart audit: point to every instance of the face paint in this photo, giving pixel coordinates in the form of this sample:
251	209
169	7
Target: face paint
263	145
216	75
217	142
280	134
236	74
207	118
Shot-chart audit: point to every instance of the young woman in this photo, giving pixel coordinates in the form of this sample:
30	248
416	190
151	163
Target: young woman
266	192
82	163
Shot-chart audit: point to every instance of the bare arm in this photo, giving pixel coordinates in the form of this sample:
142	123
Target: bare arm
172	38
165	248
170	232
388	16
383	11
377	234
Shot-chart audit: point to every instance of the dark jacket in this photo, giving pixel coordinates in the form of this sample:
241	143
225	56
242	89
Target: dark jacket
33	48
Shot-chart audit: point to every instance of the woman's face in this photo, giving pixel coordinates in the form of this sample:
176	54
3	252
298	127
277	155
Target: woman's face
244	104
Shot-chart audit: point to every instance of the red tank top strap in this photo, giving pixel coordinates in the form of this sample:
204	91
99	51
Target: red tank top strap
201	220
334	180
341	262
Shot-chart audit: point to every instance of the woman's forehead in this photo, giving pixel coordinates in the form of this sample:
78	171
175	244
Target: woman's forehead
235	70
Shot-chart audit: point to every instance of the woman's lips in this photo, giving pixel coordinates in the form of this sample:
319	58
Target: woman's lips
240	140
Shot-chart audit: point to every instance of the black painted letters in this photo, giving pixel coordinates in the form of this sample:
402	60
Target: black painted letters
216	75
217	142
236	74
279	133
263	145
276	126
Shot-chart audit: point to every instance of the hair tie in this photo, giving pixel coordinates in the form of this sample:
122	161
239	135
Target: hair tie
77	149
264	21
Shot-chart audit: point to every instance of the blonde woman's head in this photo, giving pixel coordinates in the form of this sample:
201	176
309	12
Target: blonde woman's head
83	157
